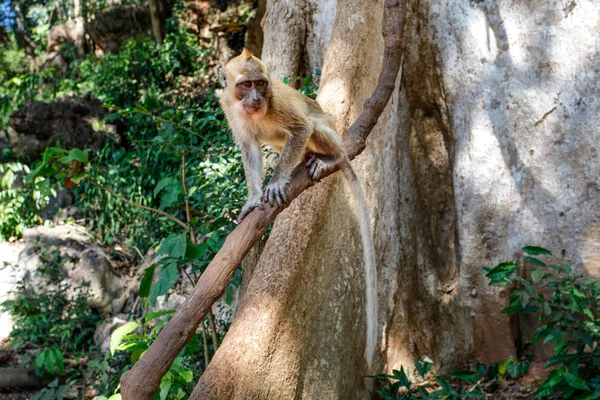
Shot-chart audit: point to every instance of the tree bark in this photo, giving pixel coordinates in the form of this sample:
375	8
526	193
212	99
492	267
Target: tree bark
158	15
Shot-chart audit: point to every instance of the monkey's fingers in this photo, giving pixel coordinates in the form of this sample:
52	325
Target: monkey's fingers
249	207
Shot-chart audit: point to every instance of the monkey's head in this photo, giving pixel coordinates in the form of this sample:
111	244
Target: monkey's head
247	80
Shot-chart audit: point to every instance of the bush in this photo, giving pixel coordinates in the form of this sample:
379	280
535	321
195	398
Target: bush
566	306
45	316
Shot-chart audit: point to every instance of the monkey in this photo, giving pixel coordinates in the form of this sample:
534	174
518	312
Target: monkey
262	110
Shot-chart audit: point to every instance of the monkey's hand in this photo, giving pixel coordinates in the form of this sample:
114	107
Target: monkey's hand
251	204
275	191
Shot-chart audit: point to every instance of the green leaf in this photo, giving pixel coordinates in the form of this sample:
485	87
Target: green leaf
514	307
146	281
157	314
50	362
576	382
171	195
165	386
534	250
163	183
469	376
553	336
512	368
537	275
116	396
535	261
187	375
500	273
78	155
40	359
48	395
503	368
481	369
97	125
59	360
195	251
168	278
117	335
174	245
401	377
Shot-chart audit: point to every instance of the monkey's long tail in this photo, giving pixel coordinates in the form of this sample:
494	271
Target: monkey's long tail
364	219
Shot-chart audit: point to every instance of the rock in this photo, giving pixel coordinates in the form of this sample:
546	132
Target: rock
71	31
67	119
103	332
110	28
103	285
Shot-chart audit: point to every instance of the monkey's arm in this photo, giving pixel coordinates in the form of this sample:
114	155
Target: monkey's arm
288	159
252	161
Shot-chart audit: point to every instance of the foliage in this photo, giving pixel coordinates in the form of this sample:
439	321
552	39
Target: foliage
566	305
20	206
50	360
135	338
307	84
45	315
52	391
398	386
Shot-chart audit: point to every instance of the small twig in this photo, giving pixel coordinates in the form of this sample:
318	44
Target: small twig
132	203
187	201
205	343
213	329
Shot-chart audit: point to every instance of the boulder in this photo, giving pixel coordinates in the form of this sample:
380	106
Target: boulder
67	119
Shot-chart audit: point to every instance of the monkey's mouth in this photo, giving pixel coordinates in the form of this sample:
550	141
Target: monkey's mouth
253	109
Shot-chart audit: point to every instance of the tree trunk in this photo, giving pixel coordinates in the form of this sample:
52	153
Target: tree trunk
490	145
158	16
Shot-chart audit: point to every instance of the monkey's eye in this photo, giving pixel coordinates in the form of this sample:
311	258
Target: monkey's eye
260	83
247	84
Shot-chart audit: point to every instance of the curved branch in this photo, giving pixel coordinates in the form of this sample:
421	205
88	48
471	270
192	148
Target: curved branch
143	380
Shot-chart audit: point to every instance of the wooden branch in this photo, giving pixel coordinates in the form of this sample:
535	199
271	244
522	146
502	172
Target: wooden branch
143	380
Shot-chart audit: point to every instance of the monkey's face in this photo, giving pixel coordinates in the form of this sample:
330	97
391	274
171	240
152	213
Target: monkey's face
251	96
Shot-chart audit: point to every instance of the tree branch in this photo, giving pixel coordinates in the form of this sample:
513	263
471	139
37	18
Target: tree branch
143	380
133	203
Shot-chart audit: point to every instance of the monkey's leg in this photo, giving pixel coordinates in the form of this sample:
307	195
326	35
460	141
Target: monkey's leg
289	158
252	161
319	163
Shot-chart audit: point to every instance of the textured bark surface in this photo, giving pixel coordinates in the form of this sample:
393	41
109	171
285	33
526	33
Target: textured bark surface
494	139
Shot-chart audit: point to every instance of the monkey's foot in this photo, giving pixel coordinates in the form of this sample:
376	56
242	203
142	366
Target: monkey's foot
250	205
316	166
275	192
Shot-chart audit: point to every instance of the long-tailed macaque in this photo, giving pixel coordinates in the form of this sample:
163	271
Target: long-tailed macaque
260	110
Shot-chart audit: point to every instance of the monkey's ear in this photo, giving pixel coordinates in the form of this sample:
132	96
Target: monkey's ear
223	77
247	53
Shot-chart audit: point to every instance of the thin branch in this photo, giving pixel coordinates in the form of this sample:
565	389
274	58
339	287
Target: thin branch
143	380
213	329
187	201
211	317
132	203
205	343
